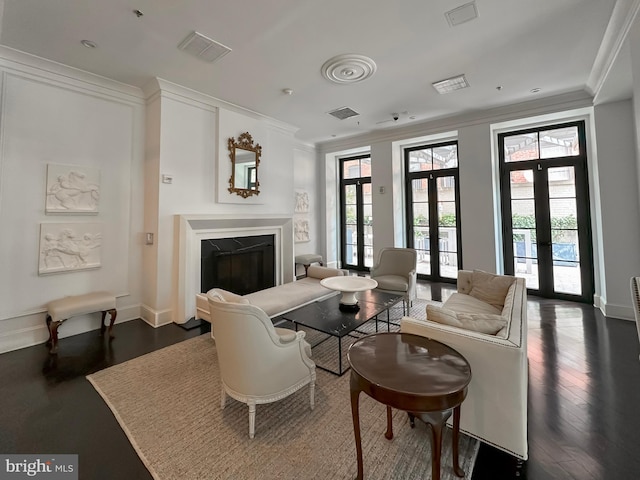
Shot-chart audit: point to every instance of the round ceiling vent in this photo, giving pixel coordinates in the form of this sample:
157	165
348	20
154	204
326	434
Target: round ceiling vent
349	68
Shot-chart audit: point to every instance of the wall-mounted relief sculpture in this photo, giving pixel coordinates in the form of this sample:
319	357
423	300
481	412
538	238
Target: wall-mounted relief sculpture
302	202
301	230
72	189
69	246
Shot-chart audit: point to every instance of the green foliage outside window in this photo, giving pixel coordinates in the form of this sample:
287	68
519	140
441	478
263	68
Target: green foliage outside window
557	225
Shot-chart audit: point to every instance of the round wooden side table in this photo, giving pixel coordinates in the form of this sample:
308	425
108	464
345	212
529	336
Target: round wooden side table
423	377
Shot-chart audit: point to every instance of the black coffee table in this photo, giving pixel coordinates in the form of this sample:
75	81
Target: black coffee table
325	316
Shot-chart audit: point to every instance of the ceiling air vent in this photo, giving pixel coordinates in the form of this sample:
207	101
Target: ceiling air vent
203	47
343	112
462	14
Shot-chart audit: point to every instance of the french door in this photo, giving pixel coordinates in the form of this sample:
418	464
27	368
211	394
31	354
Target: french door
432	192
356	213
545	208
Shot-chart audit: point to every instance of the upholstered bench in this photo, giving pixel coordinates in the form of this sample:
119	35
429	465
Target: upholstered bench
307	259
59	311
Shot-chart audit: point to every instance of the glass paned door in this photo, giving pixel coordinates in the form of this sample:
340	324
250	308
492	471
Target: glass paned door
546	211
432	213
356	213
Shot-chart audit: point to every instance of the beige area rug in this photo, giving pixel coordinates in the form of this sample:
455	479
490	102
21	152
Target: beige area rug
168	404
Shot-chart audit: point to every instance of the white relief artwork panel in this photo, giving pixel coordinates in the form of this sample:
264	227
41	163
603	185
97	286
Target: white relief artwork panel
302	202
72	189
69	246
301	230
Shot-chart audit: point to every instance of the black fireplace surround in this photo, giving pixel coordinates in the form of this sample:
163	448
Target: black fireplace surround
240	265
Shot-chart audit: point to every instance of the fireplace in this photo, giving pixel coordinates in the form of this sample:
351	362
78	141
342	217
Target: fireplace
191	230
240	265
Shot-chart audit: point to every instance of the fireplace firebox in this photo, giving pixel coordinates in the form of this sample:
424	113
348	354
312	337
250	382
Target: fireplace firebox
240	265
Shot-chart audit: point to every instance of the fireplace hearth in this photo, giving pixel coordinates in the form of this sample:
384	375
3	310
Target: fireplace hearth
240	265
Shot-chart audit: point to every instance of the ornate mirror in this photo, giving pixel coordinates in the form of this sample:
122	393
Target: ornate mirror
245	158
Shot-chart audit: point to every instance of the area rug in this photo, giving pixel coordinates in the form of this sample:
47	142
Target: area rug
168	404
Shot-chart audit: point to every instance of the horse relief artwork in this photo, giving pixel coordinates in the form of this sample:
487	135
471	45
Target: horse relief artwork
72	189
69	246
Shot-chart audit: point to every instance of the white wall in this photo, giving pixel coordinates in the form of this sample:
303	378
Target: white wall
617	182
192	135
477	207
53	115
305	179
634	44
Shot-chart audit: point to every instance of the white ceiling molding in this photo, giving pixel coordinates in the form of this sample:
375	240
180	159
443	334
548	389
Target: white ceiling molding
349	68
622	18
546	105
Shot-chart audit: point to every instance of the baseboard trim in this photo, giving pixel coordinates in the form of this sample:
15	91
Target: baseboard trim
156	318
38	334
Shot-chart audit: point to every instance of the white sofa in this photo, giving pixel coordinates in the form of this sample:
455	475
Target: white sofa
495	410
282	298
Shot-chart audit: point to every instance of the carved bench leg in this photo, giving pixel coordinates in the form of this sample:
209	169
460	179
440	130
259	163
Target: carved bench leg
53	334
113	312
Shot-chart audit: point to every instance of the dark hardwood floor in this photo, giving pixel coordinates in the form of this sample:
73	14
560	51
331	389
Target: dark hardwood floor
583	393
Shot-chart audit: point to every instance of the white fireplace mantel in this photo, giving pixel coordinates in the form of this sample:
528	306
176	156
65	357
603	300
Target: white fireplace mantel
190	230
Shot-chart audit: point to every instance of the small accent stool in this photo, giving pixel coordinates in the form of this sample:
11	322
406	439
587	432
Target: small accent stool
307	259
59	311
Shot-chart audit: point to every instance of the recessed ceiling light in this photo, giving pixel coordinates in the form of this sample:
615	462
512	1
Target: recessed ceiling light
287	91
450	84
88	44
535	90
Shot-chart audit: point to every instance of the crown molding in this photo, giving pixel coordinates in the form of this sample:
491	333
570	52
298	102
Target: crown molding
191	97
622	17
28	64
551	104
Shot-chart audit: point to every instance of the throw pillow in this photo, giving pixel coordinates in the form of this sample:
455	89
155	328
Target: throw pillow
490	288
477	322
319	272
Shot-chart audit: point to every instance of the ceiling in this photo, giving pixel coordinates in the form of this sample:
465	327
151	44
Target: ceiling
519	45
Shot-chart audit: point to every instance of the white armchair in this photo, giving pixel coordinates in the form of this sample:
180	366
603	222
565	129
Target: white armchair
259	363
395	272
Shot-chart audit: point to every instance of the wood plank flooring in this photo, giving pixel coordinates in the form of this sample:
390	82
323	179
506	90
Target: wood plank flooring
584	390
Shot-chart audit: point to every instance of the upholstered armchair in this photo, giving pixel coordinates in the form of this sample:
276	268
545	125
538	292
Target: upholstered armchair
395	272
258	362
635	298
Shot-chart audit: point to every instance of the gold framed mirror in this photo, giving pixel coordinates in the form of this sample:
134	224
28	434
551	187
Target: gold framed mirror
245	159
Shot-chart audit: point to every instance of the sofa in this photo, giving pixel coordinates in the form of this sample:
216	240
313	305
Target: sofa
486	321
282	298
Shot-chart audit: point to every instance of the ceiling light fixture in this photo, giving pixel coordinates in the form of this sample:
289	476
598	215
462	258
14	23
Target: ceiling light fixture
287	91
88	44
449	85
535	90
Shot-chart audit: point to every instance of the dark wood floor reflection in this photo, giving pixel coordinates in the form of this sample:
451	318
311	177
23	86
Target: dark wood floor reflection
584	391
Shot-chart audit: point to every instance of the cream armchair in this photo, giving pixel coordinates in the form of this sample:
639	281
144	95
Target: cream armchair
395	272
258	362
